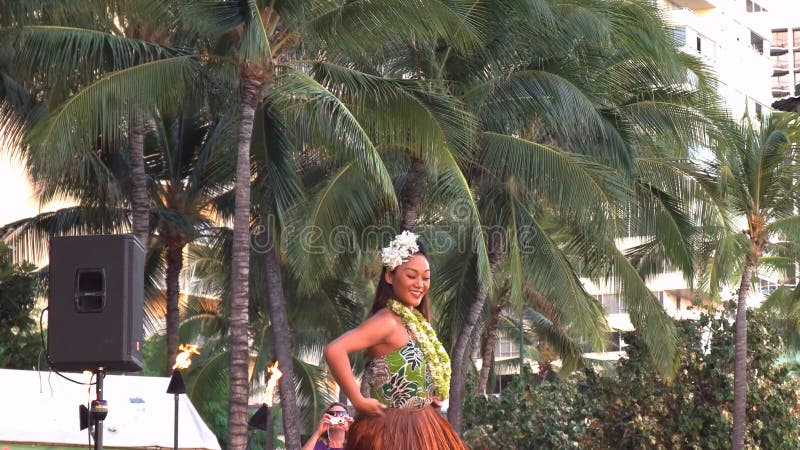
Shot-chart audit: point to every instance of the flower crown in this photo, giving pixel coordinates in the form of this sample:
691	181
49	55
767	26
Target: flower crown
400	249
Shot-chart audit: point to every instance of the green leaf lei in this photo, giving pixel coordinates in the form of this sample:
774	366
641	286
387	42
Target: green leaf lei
435	355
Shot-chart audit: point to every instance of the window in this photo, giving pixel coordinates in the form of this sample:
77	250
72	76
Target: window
678	35
757	42
699	44
616	342
781	83
612	303
754	7
506	348
780	62
780	38
766	287
796	37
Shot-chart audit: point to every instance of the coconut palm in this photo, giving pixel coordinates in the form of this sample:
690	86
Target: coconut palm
546	123
532	112
272	35
95	106
756	169
315	320
264	28
187	169
126	69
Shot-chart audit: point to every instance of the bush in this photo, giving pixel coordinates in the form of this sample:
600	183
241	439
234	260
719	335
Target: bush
638	409
20	340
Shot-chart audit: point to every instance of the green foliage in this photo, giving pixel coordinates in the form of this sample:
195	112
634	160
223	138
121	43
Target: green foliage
20	341
153	351
636	408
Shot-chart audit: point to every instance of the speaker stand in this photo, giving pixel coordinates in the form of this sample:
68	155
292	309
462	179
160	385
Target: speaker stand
99	409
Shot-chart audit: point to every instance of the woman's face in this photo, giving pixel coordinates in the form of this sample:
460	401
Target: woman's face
338	415
410	281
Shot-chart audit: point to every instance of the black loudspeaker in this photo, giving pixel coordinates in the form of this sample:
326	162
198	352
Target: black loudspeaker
96	303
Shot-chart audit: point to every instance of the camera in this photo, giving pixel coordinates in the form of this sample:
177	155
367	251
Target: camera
337	421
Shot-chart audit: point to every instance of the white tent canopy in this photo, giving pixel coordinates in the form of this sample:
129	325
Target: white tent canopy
42	408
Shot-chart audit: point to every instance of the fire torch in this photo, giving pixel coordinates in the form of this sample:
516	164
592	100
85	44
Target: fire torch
262	419
176	386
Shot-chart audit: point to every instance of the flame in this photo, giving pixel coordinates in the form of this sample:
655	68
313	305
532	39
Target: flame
273	375
184	359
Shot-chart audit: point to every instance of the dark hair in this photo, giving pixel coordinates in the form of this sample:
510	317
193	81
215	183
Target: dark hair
384	291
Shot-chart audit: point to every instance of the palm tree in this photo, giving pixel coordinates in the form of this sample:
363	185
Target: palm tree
126	69
97	104
315	320
190	169
282	23
187	169
756	169
272	36
530	101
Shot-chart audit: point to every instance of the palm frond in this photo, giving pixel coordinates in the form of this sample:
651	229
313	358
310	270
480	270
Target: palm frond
344	25
30	237
100	111
328	233
577	185
334	126
313	393
400	112
255	46
62	51
558	338
605	261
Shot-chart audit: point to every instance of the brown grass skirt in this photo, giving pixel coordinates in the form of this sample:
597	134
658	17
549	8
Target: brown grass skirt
403	429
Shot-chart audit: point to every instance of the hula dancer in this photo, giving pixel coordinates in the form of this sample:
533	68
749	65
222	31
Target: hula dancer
407	373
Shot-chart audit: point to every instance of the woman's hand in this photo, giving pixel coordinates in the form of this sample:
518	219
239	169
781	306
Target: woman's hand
369	406
324	423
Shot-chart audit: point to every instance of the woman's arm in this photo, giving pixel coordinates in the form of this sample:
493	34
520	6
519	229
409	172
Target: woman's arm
370	333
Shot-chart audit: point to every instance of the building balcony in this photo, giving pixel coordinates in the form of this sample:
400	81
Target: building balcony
777	71
778	92
775	51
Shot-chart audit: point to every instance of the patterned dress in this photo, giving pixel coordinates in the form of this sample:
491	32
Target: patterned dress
400	379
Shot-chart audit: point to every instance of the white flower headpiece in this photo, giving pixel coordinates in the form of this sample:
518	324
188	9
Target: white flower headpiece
402	247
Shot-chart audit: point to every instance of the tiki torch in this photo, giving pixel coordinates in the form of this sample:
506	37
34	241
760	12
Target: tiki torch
262	419
176	386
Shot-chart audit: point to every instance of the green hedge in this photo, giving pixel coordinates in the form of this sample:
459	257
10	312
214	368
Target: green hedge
635	408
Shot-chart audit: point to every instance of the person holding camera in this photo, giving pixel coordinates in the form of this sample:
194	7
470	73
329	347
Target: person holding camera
332	429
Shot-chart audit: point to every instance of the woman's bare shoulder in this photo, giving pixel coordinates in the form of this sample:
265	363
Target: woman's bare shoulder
384	317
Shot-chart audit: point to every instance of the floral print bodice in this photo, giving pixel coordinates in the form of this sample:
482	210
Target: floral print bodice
399	379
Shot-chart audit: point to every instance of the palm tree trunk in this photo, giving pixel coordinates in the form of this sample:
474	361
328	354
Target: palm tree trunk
411	197
282	343
462	350
174	266
740	359
488	348
240	270
140	201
